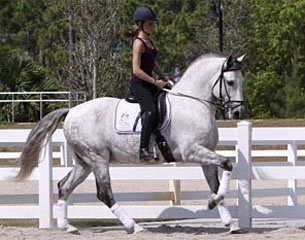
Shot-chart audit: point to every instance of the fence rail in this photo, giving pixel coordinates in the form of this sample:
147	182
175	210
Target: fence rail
241	139
70	98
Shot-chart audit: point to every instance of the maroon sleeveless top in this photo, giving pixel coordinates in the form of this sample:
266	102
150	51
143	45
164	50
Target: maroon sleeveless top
147	62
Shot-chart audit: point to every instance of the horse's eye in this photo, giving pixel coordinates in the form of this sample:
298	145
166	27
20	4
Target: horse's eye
230	83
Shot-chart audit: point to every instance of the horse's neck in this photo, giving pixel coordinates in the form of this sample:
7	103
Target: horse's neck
197	81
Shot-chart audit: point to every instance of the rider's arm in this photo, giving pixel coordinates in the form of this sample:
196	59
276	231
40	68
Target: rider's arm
158	71
165	80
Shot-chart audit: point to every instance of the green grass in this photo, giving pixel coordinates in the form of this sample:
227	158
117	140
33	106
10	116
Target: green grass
264	123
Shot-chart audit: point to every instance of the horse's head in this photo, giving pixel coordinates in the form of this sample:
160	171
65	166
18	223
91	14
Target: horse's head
214	79
227	88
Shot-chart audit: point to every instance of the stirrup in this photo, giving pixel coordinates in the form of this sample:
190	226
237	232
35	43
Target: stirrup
145	154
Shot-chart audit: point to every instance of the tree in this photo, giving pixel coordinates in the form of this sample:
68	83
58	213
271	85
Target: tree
78	44
34	28
276	66
20	74
94	65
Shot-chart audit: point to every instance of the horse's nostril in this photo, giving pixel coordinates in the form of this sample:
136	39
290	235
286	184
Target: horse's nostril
236	115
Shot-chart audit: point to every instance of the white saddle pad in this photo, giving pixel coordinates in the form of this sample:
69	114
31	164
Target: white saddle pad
125	116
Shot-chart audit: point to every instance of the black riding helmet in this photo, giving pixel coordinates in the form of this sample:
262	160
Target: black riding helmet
145	14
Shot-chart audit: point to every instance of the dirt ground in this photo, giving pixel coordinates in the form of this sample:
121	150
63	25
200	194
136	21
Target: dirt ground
158	232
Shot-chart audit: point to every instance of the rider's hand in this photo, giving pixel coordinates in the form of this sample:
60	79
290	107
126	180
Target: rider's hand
169	84
160	83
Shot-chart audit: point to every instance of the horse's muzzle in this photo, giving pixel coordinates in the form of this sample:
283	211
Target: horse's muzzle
237	112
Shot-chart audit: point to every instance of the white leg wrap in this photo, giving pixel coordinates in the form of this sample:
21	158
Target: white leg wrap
224	213
127	221
224	186
62	212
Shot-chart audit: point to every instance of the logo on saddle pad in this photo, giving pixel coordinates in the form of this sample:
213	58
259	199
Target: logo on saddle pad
127	118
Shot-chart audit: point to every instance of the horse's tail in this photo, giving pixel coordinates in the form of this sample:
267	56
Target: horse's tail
39	135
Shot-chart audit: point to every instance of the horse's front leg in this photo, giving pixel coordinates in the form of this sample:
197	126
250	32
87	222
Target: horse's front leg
209	161
219	190
203	156
222	189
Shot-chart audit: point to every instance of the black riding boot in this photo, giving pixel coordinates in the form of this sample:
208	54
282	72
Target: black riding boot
147	128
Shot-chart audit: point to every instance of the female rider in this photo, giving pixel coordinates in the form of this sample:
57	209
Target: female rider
143	86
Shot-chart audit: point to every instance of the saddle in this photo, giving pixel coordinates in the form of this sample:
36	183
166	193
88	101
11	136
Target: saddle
163	117
127	120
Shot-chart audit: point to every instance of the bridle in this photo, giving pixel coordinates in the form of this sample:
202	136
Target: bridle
221	102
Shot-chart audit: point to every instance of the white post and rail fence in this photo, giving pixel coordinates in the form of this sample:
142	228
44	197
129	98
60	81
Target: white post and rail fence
243	143
60	99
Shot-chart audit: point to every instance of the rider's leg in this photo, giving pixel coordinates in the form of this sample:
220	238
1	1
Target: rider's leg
148	123
144	94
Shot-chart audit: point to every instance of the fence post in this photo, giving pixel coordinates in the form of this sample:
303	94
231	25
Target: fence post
45	187
292	183
13	108
175	188
40	105
244	140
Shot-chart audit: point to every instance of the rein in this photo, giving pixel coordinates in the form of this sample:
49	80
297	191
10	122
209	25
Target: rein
188	96
220	103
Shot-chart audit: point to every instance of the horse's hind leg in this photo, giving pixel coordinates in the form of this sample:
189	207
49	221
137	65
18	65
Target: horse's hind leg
65	187
104	194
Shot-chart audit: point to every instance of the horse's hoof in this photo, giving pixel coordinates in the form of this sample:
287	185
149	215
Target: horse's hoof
227	165
233	228
136	229
71	229
214	200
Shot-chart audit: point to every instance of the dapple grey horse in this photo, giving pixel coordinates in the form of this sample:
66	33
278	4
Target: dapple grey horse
191	134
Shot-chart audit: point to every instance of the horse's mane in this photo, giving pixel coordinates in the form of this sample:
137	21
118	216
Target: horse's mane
197	53
206	56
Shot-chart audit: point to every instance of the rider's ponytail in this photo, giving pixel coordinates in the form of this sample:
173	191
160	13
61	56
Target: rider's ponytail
134	33
130	34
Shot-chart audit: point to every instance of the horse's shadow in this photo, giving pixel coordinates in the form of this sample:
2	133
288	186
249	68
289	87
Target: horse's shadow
186	229
188	226
166	229
169	228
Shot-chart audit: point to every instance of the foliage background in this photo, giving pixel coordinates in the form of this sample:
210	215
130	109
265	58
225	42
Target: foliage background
76	45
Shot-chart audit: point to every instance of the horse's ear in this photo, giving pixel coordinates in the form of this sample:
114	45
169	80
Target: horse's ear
233	64
241	59
230	62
